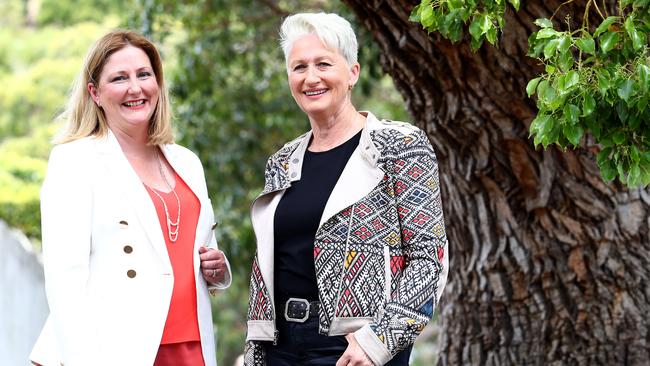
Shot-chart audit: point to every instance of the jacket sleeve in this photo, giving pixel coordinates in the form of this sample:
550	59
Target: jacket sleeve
416	191
66	221
254	354
227	279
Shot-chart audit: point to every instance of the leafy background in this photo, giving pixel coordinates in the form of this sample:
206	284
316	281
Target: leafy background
229	95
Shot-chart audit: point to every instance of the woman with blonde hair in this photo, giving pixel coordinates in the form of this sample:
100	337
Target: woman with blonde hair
128	245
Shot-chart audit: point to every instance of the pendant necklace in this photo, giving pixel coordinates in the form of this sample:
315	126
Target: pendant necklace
172	226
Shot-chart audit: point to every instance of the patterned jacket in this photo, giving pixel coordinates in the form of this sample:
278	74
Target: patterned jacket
380	251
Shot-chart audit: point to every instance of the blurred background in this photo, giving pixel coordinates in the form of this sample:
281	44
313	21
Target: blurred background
232	107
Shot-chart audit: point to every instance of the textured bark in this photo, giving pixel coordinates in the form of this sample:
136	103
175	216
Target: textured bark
549	265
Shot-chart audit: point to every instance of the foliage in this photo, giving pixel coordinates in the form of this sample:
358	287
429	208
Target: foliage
596	79
37	66
67	13
485	18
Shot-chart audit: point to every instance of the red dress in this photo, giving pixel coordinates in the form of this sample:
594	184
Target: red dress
181	340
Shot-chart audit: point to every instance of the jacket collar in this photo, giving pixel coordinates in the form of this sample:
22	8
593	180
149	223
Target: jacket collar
288	164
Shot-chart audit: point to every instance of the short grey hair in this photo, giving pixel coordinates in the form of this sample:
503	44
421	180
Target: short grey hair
333	30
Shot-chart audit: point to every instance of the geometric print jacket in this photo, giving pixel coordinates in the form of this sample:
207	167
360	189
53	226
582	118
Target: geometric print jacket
380	251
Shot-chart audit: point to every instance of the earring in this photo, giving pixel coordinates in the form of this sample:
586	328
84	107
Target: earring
350	86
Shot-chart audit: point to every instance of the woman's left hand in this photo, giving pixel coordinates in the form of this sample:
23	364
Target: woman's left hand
354	354
213	264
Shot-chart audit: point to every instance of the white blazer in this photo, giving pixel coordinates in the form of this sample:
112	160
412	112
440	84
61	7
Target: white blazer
108	304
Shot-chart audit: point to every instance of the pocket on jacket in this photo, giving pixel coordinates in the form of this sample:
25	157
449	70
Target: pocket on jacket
362	290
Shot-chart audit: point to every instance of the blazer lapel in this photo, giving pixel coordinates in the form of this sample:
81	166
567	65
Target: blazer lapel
359	177
128	182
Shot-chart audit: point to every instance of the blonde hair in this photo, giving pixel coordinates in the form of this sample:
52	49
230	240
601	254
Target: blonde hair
84	118
333	30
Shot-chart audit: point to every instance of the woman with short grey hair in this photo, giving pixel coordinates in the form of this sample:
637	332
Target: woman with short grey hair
351	246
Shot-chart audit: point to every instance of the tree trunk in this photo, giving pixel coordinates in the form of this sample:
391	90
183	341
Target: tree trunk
549	265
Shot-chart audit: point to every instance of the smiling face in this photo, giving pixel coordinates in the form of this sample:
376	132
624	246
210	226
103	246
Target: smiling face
319	77
127	90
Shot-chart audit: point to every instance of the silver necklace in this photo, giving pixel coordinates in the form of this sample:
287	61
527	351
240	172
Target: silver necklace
172	227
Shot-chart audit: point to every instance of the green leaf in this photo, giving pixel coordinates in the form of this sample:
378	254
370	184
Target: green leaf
486	23
566	61
605	25
588	105
634	121
552	132
476	43
550	48
620	168
618	137
416	13
572	79
633	175
455	4
586	44
629	25
608	170
603	155
426	16
538	125
550	97
571	113
565	44
643	72
573	133
549	68
593	126
604	84
535	46
454	25
546	33
644	166
641	104
532	86
622	111
608	41
491	35
638	39
625	90
515	4
544	23
634	153
475	28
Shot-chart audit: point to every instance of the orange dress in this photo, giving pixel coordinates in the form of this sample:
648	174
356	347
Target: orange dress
181	340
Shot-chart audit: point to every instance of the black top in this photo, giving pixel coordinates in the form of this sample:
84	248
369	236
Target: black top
296	221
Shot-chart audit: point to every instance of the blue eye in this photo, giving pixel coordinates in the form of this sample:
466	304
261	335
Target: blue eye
324	64
298	67
144	74
119	78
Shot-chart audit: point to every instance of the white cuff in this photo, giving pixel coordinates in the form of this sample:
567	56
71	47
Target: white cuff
372	346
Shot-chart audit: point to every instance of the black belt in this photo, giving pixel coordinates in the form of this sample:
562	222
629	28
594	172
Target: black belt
299	310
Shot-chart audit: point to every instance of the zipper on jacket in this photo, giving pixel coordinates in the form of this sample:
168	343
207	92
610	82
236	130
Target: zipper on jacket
276	335
345	257
387	273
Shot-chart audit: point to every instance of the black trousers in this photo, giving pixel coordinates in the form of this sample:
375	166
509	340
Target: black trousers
300	344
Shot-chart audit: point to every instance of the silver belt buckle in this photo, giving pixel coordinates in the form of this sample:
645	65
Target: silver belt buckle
296	320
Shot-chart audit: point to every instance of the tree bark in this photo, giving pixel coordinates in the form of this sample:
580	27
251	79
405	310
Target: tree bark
549	265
